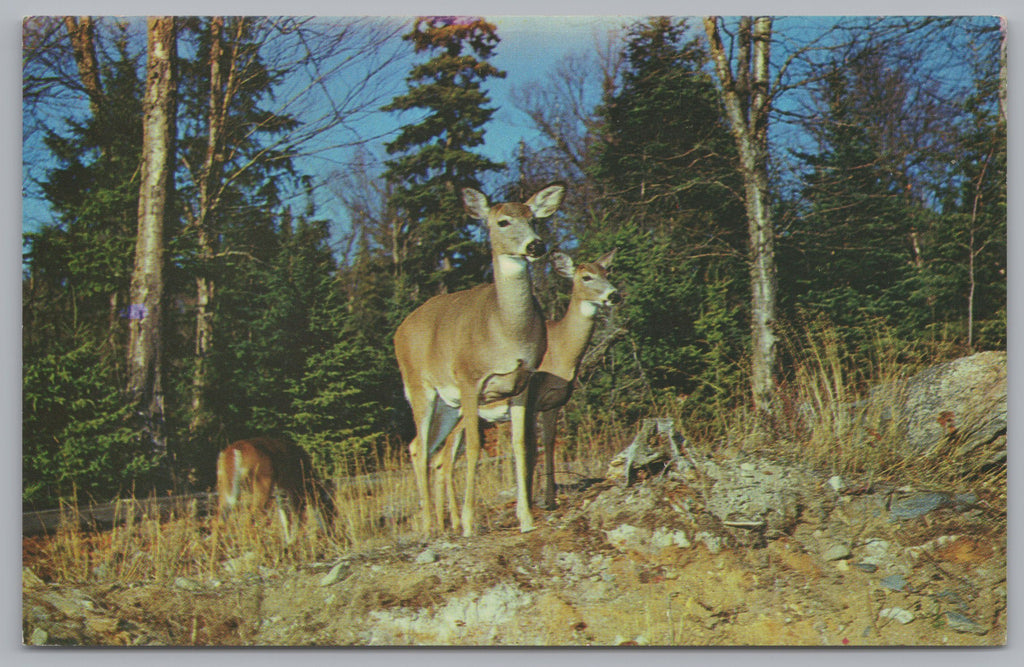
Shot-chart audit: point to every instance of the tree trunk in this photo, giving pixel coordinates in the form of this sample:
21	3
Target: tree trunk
147	284
747	103
83	42
209	184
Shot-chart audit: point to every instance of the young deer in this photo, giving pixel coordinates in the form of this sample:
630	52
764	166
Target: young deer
269	468
460	350
551	385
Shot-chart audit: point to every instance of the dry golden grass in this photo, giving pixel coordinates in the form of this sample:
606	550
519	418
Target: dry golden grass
372	510
819	424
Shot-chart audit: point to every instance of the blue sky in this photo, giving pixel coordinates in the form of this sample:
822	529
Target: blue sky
530	47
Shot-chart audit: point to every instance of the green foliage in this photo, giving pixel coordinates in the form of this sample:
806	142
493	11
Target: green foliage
876	238
269	323
435	156
79	436
868	242
851	254
666	155
341	411
665	161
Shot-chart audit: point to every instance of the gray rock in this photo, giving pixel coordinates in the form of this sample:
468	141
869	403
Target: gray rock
963	400
837	552
186	584
897	614
756	491
335	574
39	637
961	623
894	582
922	503
427	556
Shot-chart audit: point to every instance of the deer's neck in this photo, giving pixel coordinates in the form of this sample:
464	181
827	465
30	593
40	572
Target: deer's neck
516	307
568	338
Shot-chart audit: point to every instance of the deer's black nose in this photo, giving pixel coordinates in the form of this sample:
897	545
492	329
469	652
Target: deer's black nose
614	298
536	248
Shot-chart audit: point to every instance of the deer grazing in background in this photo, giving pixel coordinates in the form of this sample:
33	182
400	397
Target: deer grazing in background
272	470
461	350
551	385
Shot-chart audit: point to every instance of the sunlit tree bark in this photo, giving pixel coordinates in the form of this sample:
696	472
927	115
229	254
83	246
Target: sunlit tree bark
747	101
147	284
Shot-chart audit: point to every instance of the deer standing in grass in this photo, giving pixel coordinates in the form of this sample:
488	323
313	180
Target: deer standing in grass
273	470
461	350
551	386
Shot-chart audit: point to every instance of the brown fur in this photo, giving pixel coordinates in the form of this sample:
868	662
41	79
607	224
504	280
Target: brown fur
269	469
480	344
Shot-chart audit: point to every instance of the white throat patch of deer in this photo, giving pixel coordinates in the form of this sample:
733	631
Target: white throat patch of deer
481	344
550	387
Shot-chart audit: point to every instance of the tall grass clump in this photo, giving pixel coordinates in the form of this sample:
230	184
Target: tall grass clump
823	415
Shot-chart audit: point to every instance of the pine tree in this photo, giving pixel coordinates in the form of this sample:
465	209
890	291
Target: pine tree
435	156
852	255
665	149
79	431
665	162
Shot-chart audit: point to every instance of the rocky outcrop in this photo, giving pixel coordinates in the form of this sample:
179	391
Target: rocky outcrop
961	403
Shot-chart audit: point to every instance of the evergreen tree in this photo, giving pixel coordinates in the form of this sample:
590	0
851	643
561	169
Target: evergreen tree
80	435
80	266
665	152
964	276
435	156
665	161
851	256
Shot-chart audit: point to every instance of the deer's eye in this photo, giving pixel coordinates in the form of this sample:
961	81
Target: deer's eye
587	278
503	223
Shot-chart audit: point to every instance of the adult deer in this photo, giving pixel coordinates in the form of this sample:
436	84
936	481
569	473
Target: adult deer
271	469
551	386
460	350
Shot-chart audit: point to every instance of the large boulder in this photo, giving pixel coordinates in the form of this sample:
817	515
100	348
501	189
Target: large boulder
960	402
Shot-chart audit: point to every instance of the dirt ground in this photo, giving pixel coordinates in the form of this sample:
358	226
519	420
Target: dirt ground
648	564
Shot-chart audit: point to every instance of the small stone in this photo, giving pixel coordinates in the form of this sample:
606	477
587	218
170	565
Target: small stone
894	582
875	549
867	567
961	623
39	637
101	625
713	543
428	556
186	584
337	572
837	552
29	579
837	483
628	537
897	614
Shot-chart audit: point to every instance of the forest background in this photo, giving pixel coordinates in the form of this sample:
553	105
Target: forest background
887	166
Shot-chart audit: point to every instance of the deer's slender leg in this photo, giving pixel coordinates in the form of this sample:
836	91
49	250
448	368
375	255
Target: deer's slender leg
418	454
471	432
546	422
518	414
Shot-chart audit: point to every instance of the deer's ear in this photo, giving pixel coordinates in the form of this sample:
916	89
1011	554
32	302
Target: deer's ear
605	262
475	203
547	201
563	265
